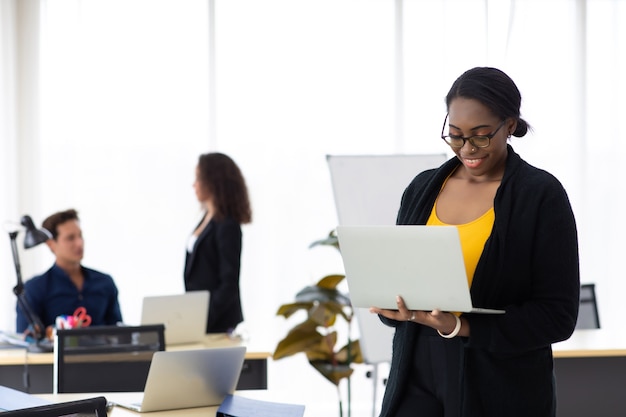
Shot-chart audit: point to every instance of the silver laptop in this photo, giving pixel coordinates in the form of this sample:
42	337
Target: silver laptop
423	264
190	378
184	315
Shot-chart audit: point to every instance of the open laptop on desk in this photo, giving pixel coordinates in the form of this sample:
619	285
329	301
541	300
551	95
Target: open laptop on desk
190	378
184	315
423	264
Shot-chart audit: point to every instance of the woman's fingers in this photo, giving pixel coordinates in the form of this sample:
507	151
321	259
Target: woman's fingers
401	314
405	313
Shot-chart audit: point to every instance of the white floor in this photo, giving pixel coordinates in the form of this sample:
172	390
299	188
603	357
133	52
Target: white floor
294	380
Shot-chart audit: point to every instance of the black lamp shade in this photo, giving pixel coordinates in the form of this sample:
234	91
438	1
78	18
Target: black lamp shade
33	236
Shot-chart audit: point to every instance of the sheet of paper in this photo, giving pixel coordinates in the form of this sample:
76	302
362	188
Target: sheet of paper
236	406
8	339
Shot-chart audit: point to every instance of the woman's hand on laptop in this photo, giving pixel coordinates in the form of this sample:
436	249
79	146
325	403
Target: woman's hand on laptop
448	324
402	313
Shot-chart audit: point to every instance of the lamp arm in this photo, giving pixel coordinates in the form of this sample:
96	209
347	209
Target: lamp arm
34	321
37	328
19	288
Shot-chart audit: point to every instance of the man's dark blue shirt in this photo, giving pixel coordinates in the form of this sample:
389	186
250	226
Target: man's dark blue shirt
53	294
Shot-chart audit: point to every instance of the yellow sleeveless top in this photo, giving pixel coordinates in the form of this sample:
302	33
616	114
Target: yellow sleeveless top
473	237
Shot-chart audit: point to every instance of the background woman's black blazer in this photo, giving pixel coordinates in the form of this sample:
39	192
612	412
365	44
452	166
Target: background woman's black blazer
214	265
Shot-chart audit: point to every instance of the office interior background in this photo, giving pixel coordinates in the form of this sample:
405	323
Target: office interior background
105	106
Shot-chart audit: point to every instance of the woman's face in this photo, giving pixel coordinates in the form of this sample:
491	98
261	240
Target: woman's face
468	117
202	193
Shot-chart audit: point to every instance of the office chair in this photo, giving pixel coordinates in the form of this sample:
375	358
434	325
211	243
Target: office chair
588	317
90	407
105	358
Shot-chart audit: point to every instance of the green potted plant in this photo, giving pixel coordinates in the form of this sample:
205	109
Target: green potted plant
317	335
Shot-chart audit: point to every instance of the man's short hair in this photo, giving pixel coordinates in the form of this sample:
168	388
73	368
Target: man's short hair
52	222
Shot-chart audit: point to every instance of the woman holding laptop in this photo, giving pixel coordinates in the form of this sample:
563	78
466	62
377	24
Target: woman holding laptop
520	248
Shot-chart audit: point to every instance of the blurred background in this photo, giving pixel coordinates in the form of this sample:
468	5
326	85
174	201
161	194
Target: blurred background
105	106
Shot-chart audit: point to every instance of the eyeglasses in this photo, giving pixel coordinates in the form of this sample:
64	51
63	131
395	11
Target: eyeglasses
478	141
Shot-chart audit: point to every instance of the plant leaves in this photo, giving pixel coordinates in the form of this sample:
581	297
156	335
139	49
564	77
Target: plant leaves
324	350
354	349
330	281
330	240
323	303
324	291
300	339
336	308
288	310
322	315
313	293
334	373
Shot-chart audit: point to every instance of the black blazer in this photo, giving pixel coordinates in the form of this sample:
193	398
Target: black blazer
529	267
214	265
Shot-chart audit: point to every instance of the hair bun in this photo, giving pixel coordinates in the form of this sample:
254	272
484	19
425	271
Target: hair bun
521	129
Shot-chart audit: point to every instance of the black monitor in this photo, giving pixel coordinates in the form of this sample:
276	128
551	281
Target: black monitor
105	358
588	317
90	407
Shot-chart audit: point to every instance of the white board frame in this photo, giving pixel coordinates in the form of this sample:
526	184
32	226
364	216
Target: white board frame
367	191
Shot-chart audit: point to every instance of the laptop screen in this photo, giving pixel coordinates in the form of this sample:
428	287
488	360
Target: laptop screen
184	315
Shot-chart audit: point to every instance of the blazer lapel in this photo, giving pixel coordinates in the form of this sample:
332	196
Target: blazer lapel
203	236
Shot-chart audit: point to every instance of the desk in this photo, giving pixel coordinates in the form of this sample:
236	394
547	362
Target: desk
16	365
129	396
591	374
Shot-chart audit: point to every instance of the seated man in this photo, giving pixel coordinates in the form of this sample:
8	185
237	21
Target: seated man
69	285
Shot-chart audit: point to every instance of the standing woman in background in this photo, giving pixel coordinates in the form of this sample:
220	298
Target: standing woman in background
214	248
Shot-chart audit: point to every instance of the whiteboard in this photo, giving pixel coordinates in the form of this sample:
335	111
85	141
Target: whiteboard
368	188
367	191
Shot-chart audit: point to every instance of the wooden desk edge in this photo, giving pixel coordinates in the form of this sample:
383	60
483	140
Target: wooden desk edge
20	357
588	353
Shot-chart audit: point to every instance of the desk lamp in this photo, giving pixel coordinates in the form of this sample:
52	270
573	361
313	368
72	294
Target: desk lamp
32	238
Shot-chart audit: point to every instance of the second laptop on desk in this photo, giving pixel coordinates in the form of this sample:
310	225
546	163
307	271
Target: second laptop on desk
190	378
184	315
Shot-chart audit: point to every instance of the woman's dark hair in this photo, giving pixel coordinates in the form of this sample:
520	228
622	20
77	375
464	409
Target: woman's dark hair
494	89
222	178
53	221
